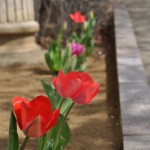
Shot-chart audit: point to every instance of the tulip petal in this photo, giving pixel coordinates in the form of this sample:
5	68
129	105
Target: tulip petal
71	16
58	84
85	77
86	93
77	17
77	86
51	120
77	49
40	125
21	109
41	104
36	128
68	84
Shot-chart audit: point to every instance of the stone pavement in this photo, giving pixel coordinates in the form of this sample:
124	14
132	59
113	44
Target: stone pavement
134	92
139	11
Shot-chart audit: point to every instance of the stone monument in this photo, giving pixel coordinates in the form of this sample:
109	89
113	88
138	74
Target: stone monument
17	26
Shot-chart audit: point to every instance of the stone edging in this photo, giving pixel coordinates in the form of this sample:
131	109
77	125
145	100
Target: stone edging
134	91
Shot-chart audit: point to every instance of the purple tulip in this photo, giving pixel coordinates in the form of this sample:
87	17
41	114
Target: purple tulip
77	49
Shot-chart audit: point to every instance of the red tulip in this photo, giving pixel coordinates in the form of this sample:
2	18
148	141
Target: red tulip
77	86
36	117
77	17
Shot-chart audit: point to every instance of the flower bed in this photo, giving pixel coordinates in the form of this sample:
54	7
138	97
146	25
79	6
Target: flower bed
65	91
94	123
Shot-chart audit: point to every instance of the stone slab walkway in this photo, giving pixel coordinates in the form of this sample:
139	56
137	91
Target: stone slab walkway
134	92
139	11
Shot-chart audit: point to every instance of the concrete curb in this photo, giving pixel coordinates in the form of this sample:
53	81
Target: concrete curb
134	91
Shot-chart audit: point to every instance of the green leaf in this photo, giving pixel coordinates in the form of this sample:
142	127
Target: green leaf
52	94
65	106
48	140
45	144
93	23
70	64
53	57
66	55
57	59
48	61
55	98
49	145
41	142
75	38
13	143
80	61
52	45
65	135
59	36
83	68
73	61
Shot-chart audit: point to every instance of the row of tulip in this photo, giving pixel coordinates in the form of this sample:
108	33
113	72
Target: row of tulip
71	54
45	117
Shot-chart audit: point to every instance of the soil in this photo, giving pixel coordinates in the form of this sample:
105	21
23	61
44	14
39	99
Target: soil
93	127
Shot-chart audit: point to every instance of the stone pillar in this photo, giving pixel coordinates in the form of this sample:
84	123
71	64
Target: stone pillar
17	26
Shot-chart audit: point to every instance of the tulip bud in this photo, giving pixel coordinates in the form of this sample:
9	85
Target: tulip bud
91	15
65	25
85	25
77	49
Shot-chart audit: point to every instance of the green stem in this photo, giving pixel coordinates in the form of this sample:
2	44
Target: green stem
48	133
43	143
24	143
61	126
61	103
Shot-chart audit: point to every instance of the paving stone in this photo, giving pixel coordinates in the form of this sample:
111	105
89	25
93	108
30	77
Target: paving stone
139	11
125	38
124	33
133	88
130	69
135	108
138	142
120	14
127	51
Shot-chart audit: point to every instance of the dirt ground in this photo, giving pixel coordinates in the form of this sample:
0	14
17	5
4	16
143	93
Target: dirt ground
93	126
